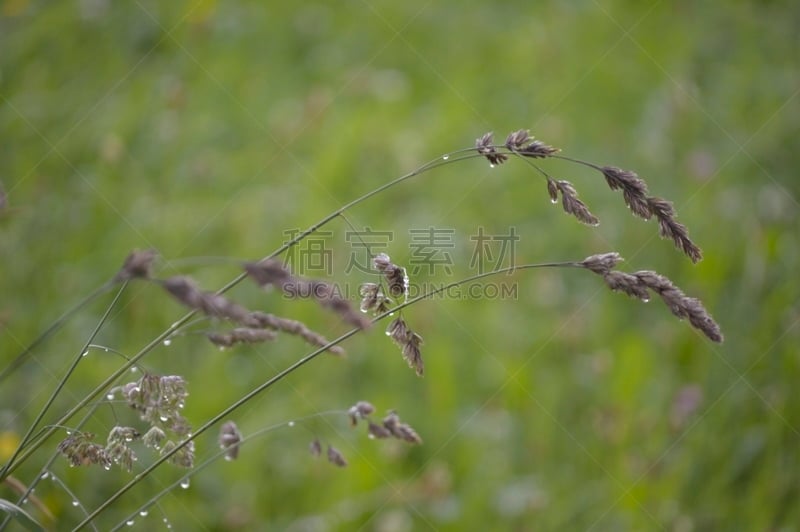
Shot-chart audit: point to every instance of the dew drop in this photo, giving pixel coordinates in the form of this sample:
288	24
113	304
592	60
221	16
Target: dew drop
167	342
107	467
445	156
228	458
45	475
84	353
553	200
492	165
291	423
371	436
134	369
185	483
143	513
25	500
110	396
163	418
75	503
129	522
645	300
391	314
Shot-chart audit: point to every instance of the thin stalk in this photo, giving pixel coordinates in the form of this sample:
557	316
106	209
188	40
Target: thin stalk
26	439
577	161
55	326
298	364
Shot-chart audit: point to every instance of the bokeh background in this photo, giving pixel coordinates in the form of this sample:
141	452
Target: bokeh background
210	131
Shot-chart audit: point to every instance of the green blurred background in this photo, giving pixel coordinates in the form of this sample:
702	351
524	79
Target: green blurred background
206	129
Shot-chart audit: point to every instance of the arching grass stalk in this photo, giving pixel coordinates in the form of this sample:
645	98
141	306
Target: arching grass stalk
19	457
303	361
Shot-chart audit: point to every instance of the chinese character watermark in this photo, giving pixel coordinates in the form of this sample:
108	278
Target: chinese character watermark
492	252
311	255
428	249
366	244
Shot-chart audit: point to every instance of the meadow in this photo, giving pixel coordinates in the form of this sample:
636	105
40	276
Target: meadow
217	133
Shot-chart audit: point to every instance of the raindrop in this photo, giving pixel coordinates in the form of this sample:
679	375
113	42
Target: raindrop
143	513
291	423
129	522
492	165
45	475
645	300
185	483
25	500
84	353
445	156
167	342
134	369
553	200
163	418
228	458
110	396
75	503
391	314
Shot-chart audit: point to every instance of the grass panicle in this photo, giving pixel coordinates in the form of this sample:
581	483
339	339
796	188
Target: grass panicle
396	276
409	343
241	335
211	304
137	265
229	439
272	272
634	189
336	457
640	284
296	328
